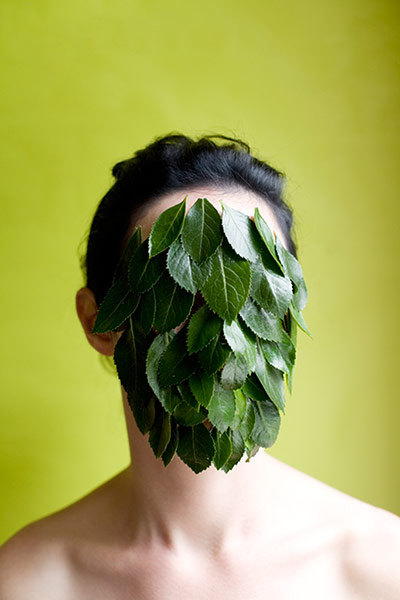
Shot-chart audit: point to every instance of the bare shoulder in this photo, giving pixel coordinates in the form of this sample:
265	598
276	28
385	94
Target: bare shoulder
362	539
37	562
372	553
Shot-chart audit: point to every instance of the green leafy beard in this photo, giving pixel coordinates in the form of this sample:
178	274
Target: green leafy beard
212	389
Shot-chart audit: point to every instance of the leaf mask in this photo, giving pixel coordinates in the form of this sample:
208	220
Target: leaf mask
209	309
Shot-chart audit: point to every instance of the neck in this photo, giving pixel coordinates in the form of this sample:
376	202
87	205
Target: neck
176	507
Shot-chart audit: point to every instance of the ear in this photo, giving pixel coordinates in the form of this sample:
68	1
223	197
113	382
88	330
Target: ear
87	310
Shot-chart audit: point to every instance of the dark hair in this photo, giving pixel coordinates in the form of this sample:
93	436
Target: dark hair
169	164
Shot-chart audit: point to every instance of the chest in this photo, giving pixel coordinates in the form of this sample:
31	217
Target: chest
271	573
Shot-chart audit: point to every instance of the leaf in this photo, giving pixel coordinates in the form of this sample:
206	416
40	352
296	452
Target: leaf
240	232
293	270
187	395
147	311
195	447
160	433
202	232
240	408
271	291
221	410
234	372
266	234
133	244
227	287
267	423
166	396
242	342
292	330
254	390
272	381
167	228
175	364
237	451
214	355
170	450
143	410
185	414
247	424
204	325
223	448
251	448
263	323
173	304
186	271
299	319
119	303
202	387
144	272
279	356
130	360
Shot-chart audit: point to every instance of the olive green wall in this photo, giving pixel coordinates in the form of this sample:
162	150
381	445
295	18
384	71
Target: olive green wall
313	86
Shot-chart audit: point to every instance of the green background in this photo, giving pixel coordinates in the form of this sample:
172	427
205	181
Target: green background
314	88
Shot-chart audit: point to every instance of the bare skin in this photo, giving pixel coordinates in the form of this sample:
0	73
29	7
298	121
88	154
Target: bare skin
265	530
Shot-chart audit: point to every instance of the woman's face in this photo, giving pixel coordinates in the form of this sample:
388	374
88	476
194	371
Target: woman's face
237	198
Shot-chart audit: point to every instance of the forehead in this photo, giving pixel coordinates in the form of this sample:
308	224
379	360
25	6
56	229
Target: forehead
239	199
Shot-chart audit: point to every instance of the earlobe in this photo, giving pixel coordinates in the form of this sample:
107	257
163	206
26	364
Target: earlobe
87	310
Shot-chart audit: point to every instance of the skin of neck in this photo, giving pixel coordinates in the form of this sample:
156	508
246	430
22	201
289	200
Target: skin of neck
176	508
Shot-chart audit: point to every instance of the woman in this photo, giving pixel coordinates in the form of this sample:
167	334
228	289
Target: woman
154	532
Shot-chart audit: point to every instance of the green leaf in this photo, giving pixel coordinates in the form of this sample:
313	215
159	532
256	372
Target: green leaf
170	450
202	387
147	311
144	272
266	234
272	381
237	451
299	319
270	290
280	356
118	304
221	410
202	232
234	372
263	323
195	447
160	433
204	325
173	304
240	232
227	288
167	228
240	408
254	390
133	244
186	271
187	395
129	358
267	423
247	424
166	396
242	341
185	414
251	448
292	330
175	364
293	270
214	355
223	448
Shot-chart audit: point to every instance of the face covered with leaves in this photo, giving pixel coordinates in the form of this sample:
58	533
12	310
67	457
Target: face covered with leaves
226	365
